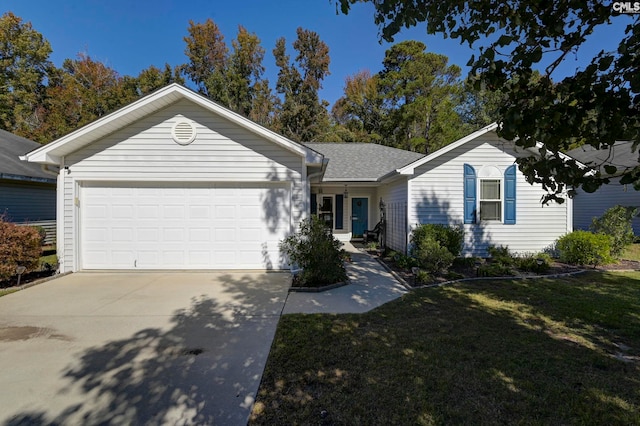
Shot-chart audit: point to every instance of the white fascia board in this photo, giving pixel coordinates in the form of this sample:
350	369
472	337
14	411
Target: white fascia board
563	156
52	152
55	150
409	169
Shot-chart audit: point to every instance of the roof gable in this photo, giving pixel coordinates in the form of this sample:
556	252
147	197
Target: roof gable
410	168
537	150
53	152
11	148
361	162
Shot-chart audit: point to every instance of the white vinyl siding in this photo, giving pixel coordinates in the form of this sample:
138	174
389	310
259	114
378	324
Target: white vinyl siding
587	206
437	196
394	196
145	151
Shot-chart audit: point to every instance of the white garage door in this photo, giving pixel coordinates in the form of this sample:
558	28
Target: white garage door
194	226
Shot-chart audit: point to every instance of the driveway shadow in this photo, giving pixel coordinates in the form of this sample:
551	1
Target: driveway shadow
204	369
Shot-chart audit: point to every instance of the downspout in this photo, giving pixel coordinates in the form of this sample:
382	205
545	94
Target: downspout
60	217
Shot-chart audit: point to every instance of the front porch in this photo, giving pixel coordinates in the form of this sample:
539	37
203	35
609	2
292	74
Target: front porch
348	210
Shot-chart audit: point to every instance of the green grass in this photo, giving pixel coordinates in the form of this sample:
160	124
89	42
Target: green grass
539	351
7	291
51	259
632	252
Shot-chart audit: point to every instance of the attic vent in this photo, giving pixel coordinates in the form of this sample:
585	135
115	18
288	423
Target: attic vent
183	132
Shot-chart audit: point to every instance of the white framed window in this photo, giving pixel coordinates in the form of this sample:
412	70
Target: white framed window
491	199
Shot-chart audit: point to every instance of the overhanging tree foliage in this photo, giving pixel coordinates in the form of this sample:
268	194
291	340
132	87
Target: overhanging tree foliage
596	105
24	66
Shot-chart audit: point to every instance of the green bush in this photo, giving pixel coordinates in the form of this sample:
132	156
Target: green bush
430	255
584	248
403	261
423	277
494	270
42	232
466	262
538	263
616	223
501	255
317	253
19	246
449	237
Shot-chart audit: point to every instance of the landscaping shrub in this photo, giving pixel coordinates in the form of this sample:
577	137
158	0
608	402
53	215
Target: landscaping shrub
584	248
494	270
616	223
42	232
501	255
317	252
19	246
538	263
404	261
466	262
449	237
430	255
422	277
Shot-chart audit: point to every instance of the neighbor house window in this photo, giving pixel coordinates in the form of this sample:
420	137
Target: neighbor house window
490	199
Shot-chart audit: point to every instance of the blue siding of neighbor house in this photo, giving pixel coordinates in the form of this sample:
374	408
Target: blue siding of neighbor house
27	202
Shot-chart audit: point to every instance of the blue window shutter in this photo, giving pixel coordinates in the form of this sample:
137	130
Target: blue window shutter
314	204
339	211
469	194
510	195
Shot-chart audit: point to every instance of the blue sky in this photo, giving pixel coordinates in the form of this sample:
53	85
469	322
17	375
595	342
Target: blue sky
131	35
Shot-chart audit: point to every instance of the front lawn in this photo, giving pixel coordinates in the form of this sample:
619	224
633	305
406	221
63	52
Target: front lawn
538	351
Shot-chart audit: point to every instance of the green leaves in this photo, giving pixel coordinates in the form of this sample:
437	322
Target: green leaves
610	169
595	105
302	116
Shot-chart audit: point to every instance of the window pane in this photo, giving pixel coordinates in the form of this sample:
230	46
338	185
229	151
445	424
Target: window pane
490	210
490	189
327	204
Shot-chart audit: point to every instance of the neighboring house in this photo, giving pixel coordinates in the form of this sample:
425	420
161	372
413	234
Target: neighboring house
27	191
175	181
591	205
472	182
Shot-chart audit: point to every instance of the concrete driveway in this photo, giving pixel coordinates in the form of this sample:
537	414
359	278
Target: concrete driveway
137	348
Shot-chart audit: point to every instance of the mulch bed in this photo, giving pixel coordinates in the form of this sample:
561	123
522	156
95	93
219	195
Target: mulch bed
556	268
25	279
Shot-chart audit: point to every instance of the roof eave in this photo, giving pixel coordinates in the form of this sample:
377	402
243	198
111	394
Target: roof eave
8	176
53	152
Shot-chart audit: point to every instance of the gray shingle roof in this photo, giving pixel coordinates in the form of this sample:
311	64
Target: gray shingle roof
361	162
620	155
11	167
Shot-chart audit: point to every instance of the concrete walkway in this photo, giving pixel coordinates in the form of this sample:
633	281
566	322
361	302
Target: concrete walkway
370	286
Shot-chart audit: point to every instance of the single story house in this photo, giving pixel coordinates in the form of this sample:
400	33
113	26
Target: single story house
472	182
175	181
27	190
588	206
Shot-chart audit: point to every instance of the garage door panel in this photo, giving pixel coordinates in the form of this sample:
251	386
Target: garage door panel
193	226
119	235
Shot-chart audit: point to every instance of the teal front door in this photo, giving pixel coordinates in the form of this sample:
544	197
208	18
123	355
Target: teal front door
359	216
